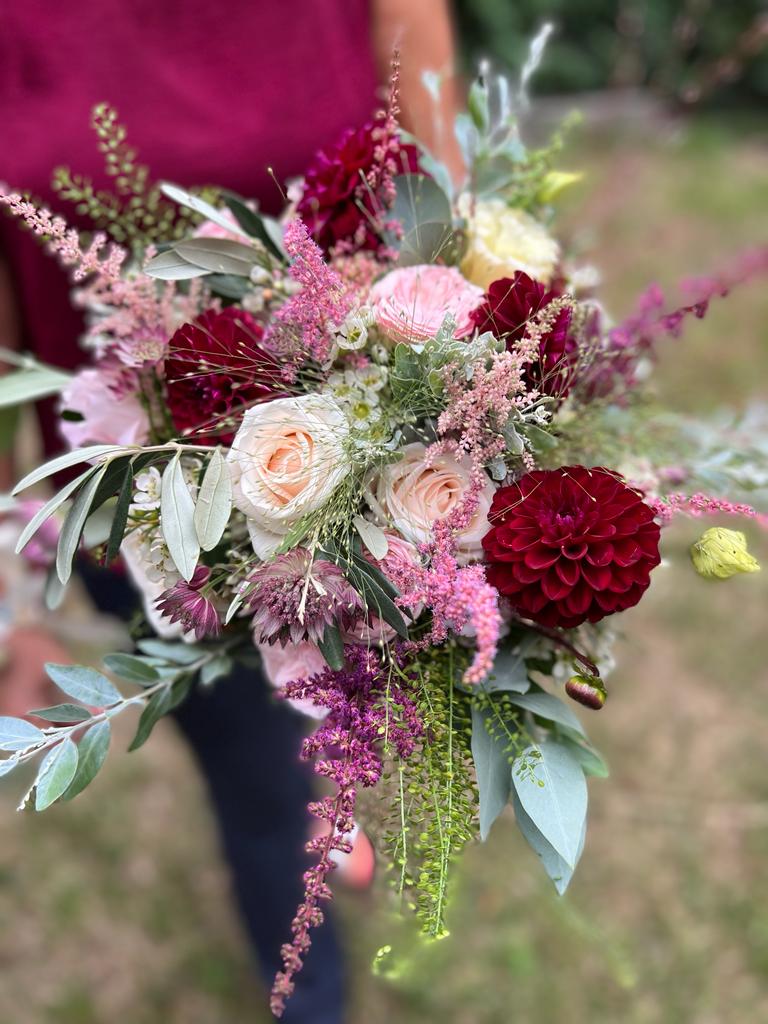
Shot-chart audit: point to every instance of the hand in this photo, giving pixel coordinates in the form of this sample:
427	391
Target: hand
23	682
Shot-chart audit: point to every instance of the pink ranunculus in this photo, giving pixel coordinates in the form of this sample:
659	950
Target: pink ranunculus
110	408
294	661
411	303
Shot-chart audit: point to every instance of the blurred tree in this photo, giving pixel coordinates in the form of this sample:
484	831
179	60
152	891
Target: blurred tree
691	51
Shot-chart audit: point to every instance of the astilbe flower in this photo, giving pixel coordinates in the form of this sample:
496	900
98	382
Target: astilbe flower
671	505
295	598
508	307
217	367
302	327
348	189
347	747
186	603
571	545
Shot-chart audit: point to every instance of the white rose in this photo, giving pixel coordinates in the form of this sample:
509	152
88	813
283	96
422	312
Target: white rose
411	497
502	240
287	458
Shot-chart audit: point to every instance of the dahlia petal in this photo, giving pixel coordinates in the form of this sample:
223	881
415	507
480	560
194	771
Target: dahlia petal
600	554
540	557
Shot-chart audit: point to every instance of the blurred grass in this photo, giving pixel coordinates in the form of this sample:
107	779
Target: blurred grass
116	907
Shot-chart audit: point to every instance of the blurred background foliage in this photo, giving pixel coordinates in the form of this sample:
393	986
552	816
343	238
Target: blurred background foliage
690	52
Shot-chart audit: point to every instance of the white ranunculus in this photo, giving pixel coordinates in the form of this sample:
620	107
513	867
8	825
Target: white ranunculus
501	240
287	458
410	497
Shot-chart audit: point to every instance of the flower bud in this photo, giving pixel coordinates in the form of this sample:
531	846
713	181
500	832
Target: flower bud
719	554
587	690
553	184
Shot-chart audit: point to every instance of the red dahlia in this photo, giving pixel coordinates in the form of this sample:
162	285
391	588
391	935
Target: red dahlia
507	307
337	205
570	545
216	367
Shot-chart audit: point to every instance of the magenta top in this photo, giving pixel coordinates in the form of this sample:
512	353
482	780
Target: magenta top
210	94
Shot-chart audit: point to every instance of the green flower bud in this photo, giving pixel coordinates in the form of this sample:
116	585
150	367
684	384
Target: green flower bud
719	554
587	690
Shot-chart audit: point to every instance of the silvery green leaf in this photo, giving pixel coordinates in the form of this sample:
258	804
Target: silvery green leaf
235	606
214	502
557	869
372	536
477	104
84	684
205	209
93	750
589	759
230	286
432	242
159	704
127	666
468	138
219	255
54	590
28	384
492	766
257	225
94	451
419	200
48	509
169	266
512	439
177	512
215	669
532	61
72	530
56	773
552	790
8	765
546	705
178	653
509	670
498	468
17	734
69	713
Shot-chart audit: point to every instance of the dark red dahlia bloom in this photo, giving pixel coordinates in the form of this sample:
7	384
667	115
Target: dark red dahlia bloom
570	545
215	367
507	307
336	205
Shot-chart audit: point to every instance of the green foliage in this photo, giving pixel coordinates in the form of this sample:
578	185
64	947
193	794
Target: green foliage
434	790
136	213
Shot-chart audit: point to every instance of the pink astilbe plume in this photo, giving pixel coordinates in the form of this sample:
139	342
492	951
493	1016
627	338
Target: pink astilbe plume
696	505
347	747
302	327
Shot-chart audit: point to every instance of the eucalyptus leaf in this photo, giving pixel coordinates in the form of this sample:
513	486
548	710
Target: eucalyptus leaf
120	516
72	530
54	590
510	672
419	200
93	750
48	509
157	706
29	384
552	790
177	511
432	242
135	670
589	759
69	713
214	502
219	255
179	653
492	766
17	734
372	536
84	684
199	205
215	669
56	772
546	705
229	286
558	870
92	452
266	229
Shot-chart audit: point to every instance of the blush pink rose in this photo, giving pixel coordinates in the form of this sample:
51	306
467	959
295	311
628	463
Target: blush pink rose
411	303
111	412
411	495
294	661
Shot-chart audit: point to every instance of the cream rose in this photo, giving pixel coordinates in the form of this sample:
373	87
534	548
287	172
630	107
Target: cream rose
502	240
286	460
411	497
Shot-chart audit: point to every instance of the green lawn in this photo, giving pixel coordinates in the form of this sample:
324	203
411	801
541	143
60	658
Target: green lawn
116	908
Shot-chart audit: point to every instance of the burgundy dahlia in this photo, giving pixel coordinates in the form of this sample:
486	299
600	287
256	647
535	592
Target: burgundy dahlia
337	204
570	545
508	305
215	368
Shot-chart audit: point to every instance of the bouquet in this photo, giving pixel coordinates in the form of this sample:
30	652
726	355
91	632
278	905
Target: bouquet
391	449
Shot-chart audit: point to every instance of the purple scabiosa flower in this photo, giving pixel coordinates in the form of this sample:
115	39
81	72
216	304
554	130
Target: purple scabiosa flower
295	598
185	603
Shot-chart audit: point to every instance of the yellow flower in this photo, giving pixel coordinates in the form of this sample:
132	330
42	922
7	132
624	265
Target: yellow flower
554	182
502	240
719	554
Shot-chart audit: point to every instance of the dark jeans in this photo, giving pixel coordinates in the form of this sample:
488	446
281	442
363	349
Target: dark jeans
247	747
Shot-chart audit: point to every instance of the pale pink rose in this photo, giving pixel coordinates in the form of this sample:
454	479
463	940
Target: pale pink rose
374	631
411	303
294	661
286	460
112	414
411	496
